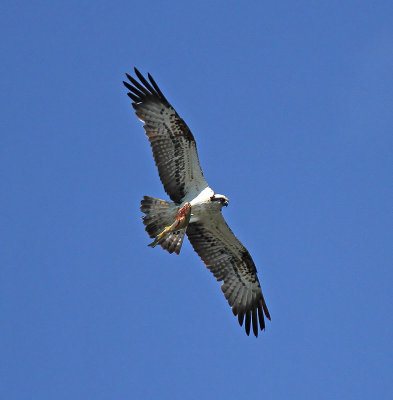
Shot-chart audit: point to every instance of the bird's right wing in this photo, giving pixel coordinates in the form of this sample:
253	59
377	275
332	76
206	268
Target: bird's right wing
173	145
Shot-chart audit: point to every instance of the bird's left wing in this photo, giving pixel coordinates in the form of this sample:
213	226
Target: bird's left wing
173	145
229	261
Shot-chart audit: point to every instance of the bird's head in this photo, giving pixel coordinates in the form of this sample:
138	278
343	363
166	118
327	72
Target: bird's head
220	199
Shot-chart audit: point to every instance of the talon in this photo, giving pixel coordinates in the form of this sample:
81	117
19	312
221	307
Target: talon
181	220
167	228
159	236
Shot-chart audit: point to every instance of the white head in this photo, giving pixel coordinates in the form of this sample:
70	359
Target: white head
220	199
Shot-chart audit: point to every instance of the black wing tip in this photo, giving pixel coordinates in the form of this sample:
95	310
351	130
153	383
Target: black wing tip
254	322
240	317
134	98
247	322
143	89
263	306
254	318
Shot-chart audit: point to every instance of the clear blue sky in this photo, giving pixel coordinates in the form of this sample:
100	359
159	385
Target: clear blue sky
291	105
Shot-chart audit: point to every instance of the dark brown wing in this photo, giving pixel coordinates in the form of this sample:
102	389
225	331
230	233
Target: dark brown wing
229	261
173	145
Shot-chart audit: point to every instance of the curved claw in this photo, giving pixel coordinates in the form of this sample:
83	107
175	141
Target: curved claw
160	236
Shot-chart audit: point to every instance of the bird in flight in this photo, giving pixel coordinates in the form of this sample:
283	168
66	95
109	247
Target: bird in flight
195	209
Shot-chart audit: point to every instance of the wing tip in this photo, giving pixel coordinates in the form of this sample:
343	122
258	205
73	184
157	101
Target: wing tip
254	318
143	89
265	309
254	321
247	323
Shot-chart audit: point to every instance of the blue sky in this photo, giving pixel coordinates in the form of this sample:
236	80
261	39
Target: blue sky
291	106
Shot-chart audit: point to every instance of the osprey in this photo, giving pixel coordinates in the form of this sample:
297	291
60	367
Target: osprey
195	209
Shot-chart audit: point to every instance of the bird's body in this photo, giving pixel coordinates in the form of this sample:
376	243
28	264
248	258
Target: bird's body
195	209
203	205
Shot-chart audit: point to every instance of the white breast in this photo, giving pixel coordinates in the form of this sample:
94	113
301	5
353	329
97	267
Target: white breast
200	203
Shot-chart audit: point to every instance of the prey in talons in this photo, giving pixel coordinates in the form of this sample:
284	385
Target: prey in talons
182	218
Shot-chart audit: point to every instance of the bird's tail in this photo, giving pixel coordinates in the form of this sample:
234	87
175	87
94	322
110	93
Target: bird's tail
160	221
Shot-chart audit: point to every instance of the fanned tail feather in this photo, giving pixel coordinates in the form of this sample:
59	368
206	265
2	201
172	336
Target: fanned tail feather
160	214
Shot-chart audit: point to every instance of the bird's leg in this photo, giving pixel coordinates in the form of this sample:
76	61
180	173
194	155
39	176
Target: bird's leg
182	219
